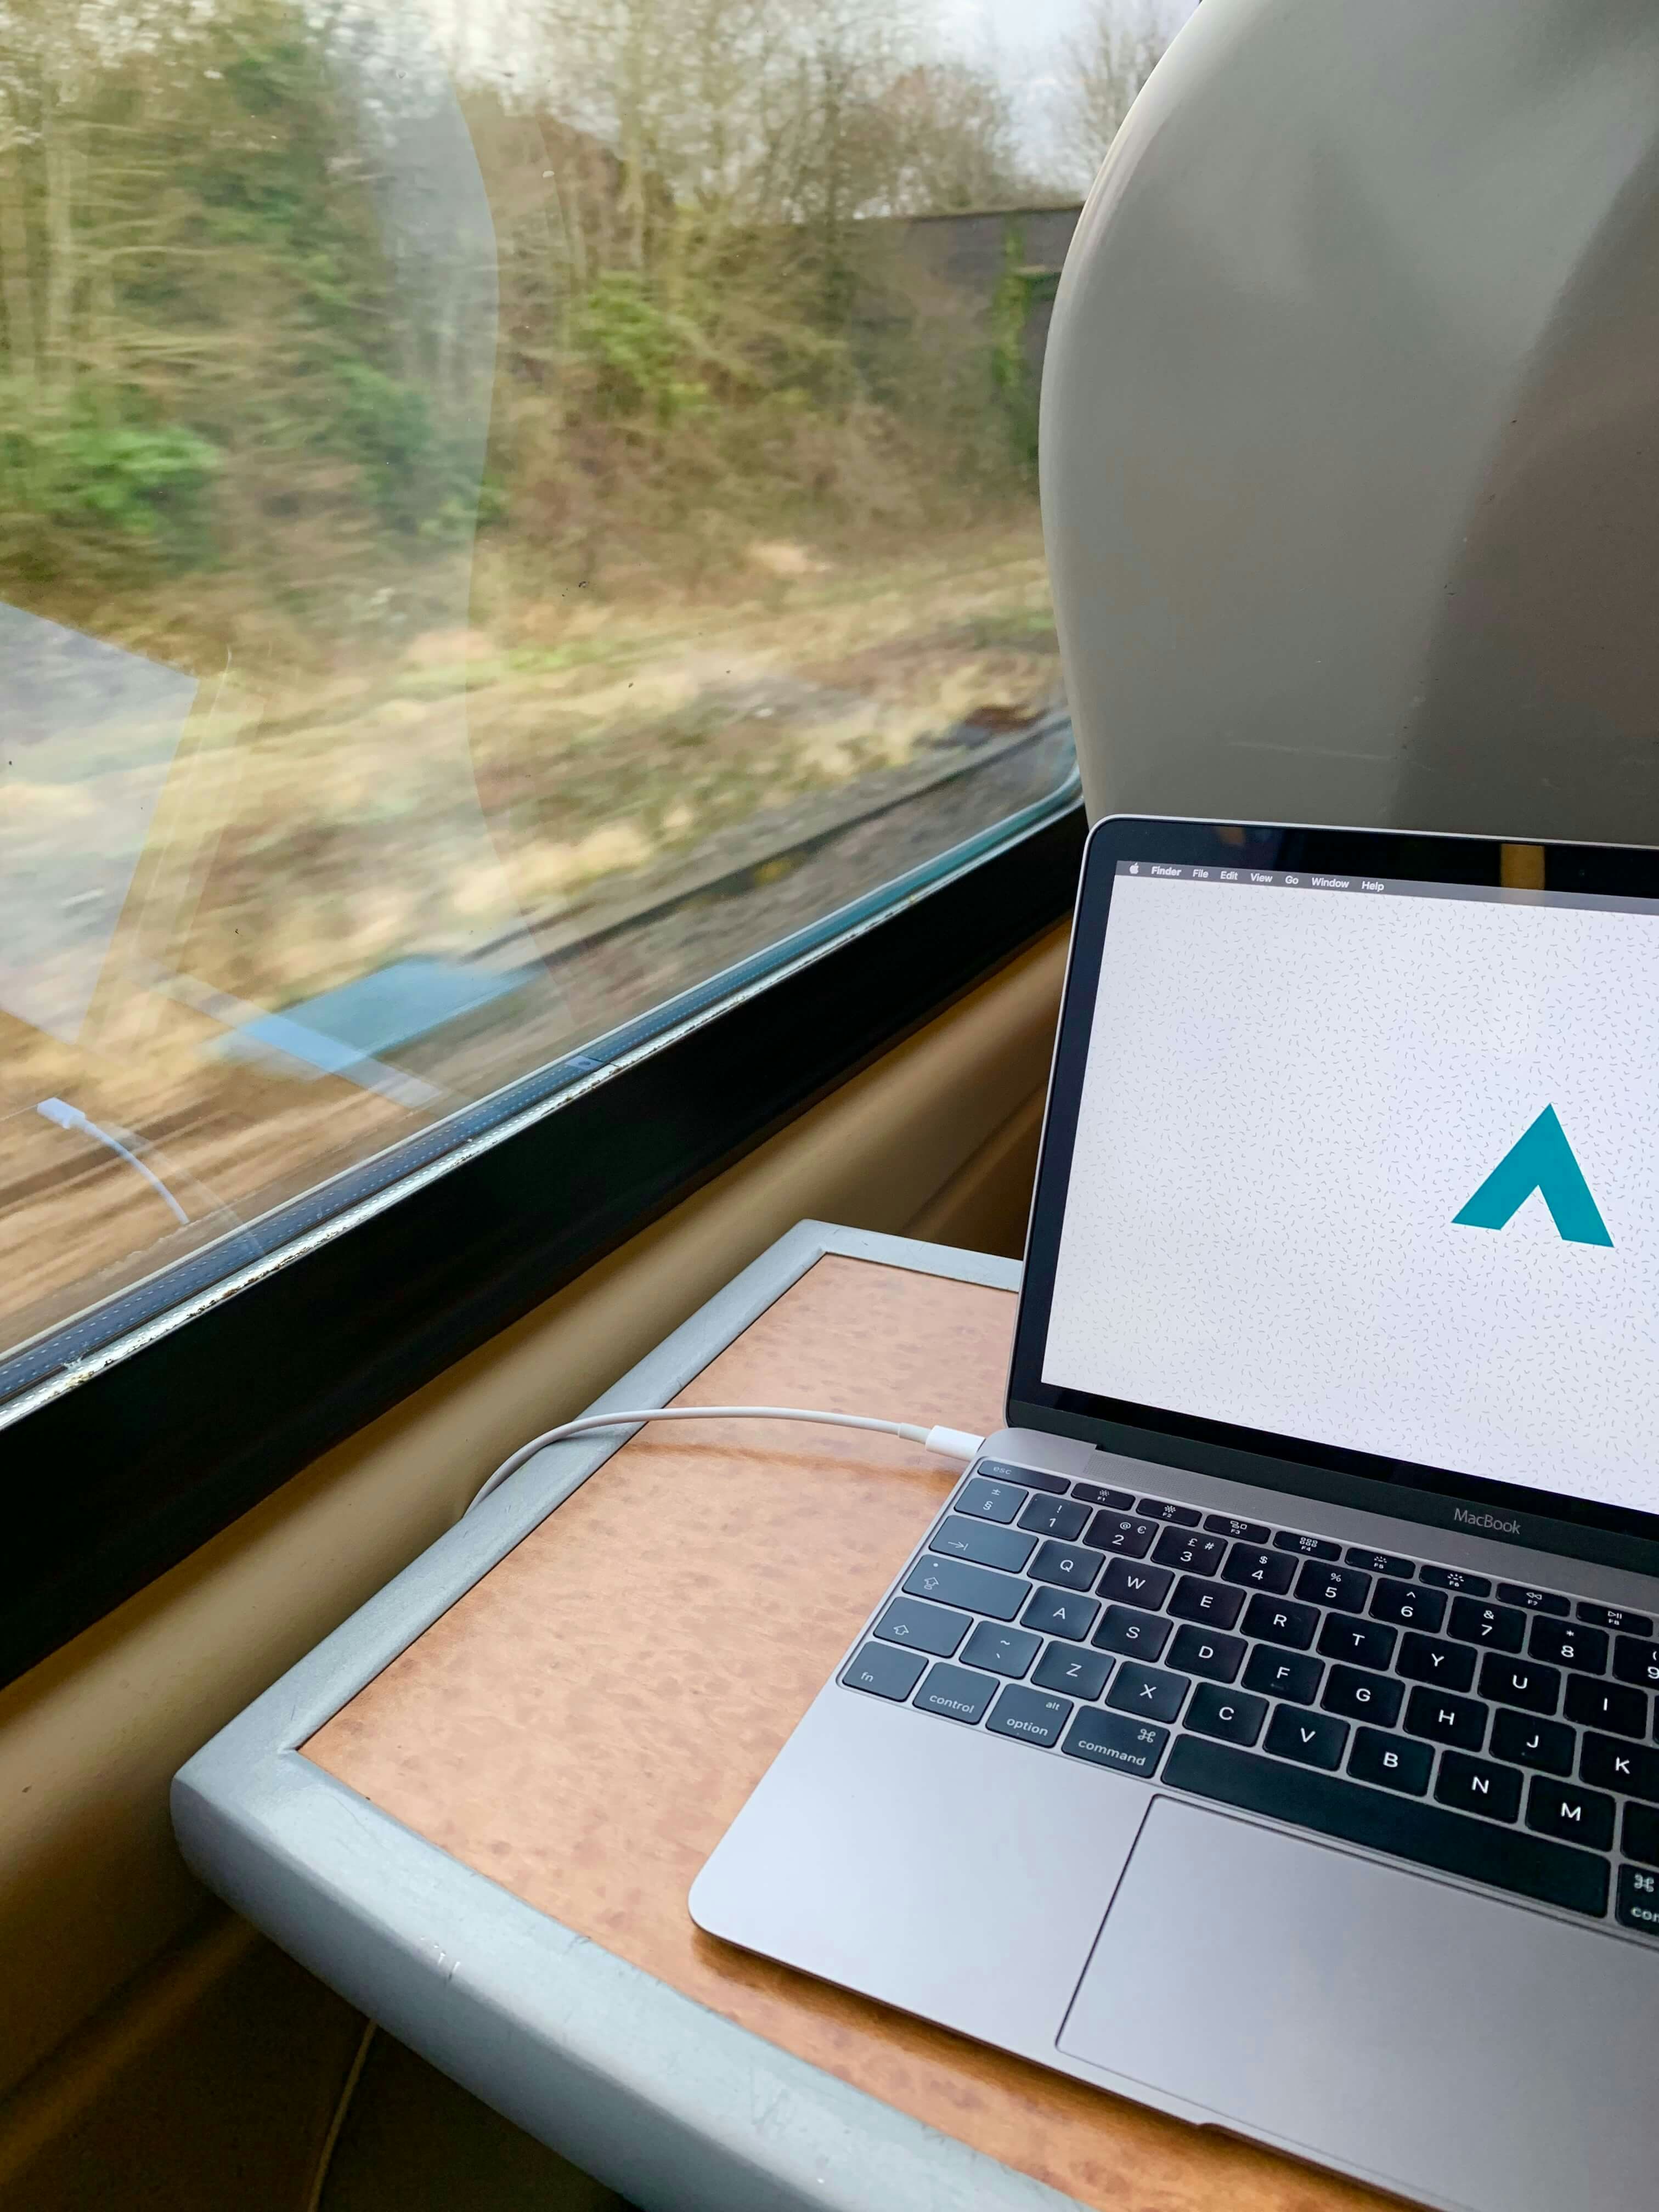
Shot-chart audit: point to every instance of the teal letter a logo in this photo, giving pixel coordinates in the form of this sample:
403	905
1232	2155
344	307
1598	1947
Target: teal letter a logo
1541	1160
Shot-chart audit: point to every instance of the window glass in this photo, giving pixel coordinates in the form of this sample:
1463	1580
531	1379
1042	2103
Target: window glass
506	513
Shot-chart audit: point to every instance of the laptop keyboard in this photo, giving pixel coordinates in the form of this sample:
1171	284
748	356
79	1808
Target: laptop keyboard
1487	1729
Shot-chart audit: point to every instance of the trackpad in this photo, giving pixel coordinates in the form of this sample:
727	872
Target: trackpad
1441	2041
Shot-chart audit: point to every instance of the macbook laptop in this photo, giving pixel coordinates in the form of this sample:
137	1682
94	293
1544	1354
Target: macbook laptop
1264	1729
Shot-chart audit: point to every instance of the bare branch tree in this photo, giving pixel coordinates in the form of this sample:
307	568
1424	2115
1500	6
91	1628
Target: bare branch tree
1103	66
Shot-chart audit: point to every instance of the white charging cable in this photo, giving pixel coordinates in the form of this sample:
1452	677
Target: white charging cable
949	1444
63	1115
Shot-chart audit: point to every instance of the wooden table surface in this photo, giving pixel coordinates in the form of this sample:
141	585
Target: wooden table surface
585	1722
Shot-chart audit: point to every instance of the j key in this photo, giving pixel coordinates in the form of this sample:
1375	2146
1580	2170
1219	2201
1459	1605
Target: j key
1147	1691
997	1470
1233	1716
1533	1601
1054	1516
1078	1673
1574	1816
1121	1532
1380	1563
1095	1493
1608	1705
1639	1900
983	1542
1390	1761
1361	1642
1004	1651
1236	1531
1640	1836
1344	1588
928	1628
1426	1834
1497	1627
1131	1582
991	1501
954	1581
1361	1696
1519	1682
1442	1719
1408	1605
1214	1603
1073	1564
1284	1675
1182	1547
1615	1616
1159	1509
1309	1548
1252	1568
1630	1768
884	1672
1060	1613
955	1692
1636	1660
1475	1785
1030	1715
1427	1659
1564	1643
1202	1652
1544	1745
1280	1620
1312	1739
1133	1635
1455	1578
1129	1747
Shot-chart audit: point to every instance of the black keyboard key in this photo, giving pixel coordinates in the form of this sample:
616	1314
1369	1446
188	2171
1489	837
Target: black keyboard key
991	1501
1494	1627
1361	1696
1111	1740
1216	1603
1380	1563
1132	1635
1615	1616
1188	1550
1251	1568
1314	1739
1078	1674
1640	1837
982	1541
997	1470
1072	1565
1147	1691
1344	1588
1230	1715
1060	1613
955	1692
1031	1714
1610	1705
1004	1651
1054	1516
1440	1718
1572	1815
1564	1643
1284	1675
1639	1900
1204	1651
1408	1605
1543	1745
1280	1620
1393	1762
883	1671
1236	1531
926	1628
1096	1493
1122	1534
954	1581
1531	1600
1630	1768
1455	1578
1308	1548
1134	1582
1475	1785
1426	1835
1637	1660
1428	1659
1361	1642
1520	1683
1159	1509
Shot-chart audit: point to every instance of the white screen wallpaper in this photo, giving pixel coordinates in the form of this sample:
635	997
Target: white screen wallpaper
1289	1095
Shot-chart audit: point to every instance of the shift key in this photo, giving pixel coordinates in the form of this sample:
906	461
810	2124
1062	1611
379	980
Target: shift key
954	1581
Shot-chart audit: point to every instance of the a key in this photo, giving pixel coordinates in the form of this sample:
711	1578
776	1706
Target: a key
1076	1674
1203	1651
954	1581
1284	1675
1312	1739
1217	1604
1096	1493
884	1672
928	1628
1236	1531
1074	1566
982	1541
1344	1588
1060	1613
1004	1651
1615	1616
1147	1691
1614	1706
1361	1642
955	1692
1114	1740
991	1501
1159	1509
1361	1696
1252	1568
1032	1715
1566	1643
1520	1683
1054	1516
1131	1582
1440	1718
1133	1635
1428	1659
1475	1785
1307	1548
1545	1745
1187	1548
1639	1900
1532	1600
1380	1563
1280	1620
1632	1769
1639	1837
1122	1534
1231	1715
1572	1815
1496	1627
1408	1605
1455	1578
1392	1762
1635	1659
997	1470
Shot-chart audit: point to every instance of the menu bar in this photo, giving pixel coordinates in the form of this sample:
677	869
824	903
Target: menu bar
1357	886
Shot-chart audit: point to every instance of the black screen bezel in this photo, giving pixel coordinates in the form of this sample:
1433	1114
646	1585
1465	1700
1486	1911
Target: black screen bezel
1614	1535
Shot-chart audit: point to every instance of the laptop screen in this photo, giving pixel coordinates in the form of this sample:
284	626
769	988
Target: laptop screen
1373	1164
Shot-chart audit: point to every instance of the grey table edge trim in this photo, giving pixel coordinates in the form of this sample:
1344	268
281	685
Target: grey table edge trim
670	2103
